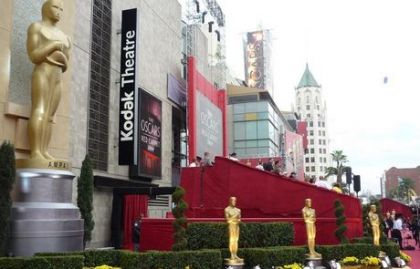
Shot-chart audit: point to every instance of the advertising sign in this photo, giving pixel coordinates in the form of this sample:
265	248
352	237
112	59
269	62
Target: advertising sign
177	91
150	136
254	59
128	92
209	127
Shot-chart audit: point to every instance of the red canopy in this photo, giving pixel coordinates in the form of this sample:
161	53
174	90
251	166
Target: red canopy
389	204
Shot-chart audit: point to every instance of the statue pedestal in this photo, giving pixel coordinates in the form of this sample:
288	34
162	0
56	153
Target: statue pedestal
315	262
44	219
234	264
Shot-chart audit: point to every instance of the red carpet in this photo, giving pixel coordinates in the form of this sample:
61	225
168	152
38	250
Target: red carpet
415	258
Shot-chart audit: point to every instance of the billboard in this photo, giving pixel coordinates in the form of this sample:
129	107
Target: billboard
177	91
127	139
150	137
209	122
258	59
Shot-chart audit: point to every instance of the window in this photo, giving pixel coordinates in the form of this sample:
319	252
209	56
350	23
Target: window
320	150
307	168
307	99
321	168
312	150
325	160
312	159
325	151
319	124
311	124
308	107
317	107
320	141
251	130
312	168
311	142
319	132
306	151
308	116
320	159
307	159
262	129
323	133
238	108
311	132
239	130
323	124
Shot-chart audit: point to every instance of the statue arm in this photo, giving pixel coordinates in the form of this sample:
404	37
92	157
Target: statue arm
38	54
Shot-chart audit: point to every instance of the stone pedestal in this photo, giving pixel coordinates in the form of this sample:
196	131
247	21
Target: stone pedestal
44	219
234	264
315	262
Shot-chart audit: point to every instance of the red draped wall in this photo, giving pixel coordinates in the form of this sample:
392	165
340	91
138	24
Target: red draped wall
134	206
260	194
389	204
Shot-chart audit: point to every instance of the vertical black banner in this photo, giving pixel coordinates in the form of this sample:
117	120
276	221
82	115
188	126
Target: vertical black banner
127	154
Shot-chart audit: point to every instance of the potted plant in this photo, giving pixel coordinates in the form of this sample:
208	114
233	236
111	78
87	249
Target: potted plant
291	266
371	263
350	263
405	257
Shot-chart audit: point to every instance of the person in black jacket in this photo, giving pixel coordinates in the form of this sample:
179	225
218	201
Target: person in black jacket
136	233
389	224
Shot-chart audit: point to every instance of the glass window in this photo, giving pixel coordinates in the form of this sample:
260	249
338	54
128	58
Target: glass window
306	151
320	141
308	107
321	168
319	124
320	159
312	150
262	129
251	143
311	132
319	132
262	107
312	159
240	152
323	124
307	98
239	130
252	151
238	108
323	133
312	168
307	168
240	144
311	124
311	142
264	151
325	151
325	160
271	132
263	143
238	117
307	159
320	150
317	107
263	115
308	115
251	130
251	107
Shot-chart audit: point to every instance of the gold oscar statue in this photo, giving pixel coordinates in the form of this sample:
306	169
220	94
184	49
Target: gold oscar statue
48	48
233	218
309	216
374	222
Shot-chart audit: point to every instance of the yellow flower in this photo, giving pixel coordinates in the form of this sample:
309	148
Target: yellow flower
405	257
371	261
106	267
292	266
350	261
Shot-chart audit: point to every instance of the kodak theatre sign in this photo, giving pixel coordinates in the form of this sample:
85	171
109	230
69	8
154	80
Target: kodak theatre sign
128	92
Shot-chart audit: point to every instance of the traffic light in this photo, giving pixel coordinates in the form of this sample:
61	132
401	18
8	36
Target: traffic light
348	175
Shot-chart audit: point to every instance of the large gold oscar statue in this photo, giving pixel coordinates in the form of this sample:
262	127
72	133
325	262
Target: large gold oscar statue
374	222
309	216
48	48
233	218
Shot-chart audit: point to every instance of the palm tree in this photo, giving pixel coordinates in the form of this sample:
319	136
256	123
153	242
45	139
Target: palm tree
339	158
404	190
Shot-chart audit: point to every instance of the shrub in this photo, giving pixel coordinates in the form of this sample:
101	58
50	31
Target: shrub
7	178
67	262
205	259
339	252
180	220
85	198
92	258
24	263
214	235
340	221
391	249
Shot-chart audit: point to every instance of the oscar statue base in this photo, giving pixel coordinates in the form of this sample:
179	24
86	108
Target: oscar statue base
234	263
44	219
315	261
43	164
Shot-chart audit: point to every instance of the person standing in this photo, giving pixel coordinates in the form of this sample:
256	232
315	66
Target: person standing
136	233
396	231
260	165
206	159
389	224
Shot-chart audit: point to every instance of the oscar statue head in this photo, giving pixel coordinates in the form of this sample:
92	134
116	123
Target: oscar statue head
232	201
52	10
308	202
373	208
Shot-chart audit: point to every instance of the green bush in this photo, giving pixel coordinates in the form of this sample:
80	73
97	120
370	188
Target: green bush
391	249
268	257
85	198
25	263
205	259
92	258
7	178
340	222
180	222
65	262
338	252
211	235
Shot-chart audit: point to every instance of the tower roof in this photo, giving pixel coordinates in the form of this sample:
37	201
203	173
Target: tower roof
307	79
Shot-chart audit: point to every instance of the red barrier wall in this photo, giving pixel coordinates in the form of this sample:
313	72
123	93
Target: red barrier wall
156	234
389	204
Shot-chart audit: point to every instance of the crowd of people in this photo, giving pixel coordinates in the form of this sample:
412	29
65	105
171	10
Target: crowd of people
402	230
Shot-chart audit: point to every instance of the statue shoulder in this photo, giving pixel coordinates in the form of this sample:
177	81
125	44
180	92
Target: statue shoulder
35	27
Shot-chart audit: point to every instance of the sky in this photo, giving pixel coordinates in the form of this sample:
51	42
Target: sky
350	46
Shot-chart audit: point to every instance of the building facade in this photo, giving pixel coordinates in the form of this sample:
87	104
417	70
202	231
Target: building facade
393	174
88	117
311	107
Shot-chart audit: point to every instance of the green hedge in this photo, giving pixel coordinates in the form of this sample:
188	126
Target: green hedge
338	252
92	258
203	259
48	262
214	235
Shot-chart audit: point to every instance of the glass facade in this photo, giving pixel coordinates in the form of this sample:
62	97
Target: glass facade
256	130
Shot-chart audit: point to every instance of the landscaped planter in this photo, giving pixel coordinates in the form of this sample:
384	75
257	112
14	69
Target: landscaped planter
371	267
351	267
